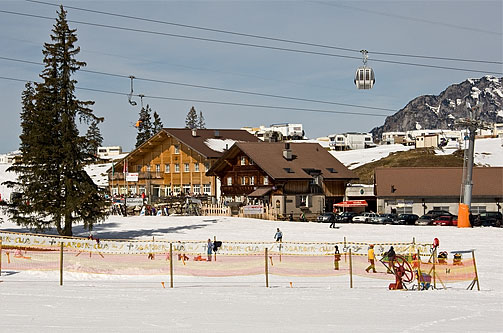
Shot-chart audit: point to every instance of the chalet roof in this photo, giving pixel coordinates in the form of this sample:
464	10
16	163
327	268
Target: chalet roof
307	158
211	142
442	182
208	142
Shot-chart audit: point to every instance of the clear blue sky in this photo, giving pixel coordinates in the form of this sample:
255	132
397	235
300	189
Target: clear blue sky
452	29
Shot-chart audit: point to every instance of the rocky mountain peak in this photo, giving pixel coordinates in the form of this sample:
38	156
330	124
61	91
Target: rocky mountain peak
440	112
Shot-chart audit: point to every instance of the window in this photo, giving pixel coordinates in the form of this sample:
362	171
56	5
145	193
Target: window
148	168
123	190
207	189
229	181
167	191
186	167
302	200
446	208
176	189
156	191
252	180
197	189
132	190
243	180
243	160
266	180
141	190
478	209
250	162
196	167
404	210
115	190
166	168
186	188
206	166
177	167
177	149
138	168
157	168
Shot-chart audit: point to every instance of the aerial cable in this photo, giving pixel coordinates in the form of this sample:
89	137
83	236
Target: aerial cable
263	37
261	106
217	89
253	45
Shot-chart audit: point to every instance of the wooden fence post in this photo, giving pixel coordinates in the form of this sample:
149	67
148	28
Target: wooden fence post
419	274
61	264
350	270
266	269
475	268
171	264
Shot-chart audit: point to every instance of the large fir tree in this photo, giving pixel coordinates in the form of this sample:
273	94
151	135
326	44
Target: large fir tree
54	189
144	126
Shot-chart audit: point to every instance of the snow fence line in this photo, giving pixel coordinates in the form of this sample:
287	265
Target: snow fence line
21	252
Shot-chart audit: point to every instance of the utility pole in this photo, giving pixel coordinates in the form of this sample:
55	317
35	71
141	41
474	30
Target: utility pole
471	124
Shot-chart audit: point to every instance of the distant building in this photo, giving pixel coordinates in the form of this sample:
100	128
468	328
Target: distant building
277	132
418	190
351	141
107	152
9	158
498	130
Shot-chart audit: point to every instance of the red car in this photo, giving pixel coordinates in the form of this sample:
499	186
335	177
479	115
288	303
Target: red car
446	220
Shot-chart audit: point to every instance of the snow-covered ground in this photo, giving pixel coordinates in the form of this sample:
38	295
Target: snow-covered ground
34	301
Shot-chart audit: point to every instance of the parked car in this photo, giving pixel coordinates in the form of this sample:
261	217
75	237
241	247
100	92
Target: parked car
446	220
384	218
489	219
430	216
346	217
406	219
364	217
327	217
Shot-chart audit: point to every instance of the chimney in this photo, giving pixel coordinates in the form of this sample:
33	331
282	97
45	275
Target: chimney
287	152
217	133
194	132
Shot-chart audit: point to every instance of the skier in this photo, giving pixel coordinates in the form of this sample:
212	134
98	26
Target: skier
278	236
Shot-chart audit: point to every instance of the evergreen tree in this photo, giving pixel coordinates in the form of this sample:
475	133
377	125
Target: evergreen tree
200	123
144	126
157	123
191	121
93	141
54	188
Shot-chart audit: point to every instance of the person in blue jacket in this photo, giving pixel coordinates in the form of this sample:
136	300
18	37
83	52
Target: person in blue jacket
278	236
209	249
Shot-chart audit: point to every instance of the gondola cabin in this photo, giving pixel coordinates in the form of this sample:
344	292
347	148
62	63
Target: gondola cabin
364	78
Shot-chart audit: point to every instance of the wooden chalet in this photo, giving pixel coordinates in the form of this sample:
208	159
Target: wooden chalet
294	178
174	162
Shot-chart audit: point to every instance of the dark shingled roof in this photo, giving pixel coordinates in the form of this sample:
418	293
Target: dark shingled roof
197	142
437	182
306	156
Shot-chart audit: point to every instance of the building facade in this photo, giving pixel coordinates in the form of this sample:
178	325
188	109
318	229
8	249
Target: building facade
294	178
173	163
418	190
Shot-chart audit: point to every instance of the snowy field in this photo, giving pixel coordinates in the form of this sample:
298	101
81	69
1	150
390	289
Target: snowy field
34	301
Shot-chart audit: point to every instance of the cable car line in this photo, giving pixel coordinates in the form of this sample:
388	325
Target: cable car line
265	37
252	45
213	88
261	106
